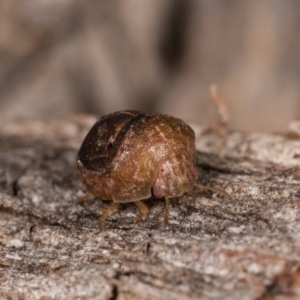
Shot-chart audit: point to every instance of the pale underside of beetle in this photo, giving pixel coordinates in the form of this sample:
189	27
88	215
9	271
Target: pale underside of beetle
129	156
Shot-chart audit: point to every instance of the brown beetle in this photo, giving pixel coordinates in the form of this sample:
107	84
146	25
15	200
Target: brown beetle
129	155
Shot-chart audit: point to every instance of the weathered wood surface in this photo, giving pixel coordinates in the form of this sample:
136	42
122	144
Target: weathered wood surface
245	246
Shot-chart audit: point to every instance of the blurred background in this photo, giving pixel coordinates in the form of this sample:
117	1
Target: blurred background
97	56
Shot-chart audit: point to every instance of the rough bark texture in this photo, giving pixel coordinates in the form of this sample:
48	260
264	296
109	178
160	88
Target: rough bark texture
245	246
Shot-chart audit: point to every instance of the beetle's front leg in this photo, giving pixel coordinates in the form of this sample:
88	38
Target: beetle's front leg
108	212
144	211
167	206
82	199
212	189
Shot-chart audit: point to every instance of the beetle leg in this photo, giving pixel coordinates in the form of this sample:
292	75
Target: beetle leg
88	196
144	211
212	189
167	205
108	212
203	193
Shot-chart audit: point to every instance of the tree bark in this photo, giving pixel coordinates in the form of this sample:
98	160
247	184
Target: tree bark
243	245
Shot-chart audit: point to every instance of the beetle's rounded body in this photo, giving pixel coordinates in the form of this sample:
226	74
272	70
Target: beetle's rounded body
128	154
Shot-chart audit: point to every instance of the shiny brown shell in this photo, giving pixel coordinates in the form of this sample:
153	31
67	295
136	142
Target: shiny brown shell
129	155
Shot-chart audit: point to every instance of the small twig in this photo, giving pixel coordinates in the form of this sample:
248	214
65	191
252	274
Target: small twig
220	105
